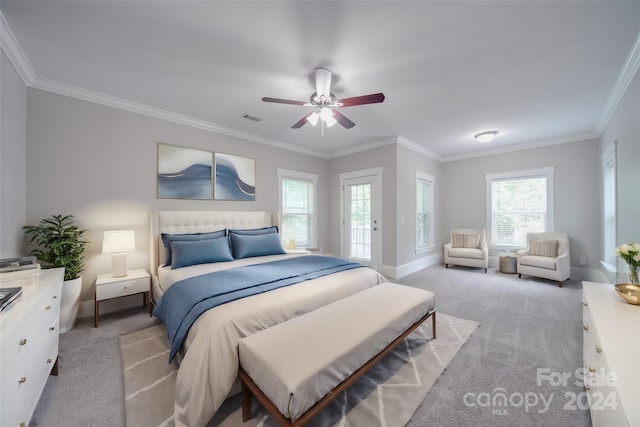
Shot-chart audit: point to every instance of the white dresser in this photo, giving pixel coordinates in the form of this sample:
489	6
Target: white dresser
29	347
611	354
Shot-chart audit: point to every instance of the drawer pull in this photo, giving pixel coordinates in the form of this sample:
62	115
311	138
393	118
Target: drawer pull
52	328
49	361
587	388
598	349
48	307
22	380
592	370
586	328
23	341
23	425
585	304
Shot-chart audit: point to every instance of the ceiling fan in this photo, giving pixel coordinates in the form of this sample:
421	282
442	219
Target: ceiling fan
325	103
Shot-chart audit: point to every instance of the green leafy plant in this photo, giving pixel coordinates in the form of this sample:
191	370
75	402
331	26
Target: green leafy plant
60	244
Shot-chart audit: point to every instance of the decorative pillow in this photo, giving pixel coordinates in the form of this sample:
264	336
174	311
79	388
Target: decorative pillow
466	240
250	245
168	238
192	252
548	248
254	231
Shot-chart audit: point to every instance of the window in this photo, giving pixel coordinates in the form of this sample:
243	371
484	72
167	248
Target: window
519	202
609	207
424	211
298	207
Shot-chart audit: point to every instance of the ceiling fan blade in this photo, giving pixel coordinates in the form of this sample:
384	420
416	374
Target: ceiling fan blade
361	100
301	122
340	118
282	101
323	82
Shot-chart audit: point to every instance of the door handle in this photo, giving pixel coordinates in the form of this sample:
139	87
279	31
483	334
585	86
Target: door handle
375	228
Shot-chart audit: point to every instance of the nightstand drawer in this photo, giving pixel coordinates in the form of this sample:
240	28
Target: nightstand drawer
121	288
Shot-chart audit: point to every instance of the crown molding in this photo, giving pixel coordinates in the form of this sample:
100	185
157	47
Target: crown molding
134	107
13	50
626	75
362	147
524	146
418	148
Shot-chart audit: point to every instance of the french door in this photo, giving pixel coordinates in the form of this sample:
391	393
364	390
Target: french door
361	226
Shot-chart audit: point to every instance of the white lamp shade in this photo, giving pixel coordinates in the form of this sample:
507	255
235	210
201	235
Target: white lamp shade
118	241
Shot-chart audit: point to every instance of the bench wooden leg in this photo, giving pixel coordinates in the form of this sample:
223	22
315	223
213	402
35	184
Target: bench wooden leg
246	403
433	324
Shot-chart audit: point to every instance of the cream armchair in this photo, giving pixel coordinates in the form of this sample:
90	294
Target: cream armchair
468	247
546	256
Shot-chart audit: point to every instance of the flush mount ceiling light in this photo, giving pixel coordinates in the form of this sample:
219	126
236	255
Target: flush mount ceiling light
486	136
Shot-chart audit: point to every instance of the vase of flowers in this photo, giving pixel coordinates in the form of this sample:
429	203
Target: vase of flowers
630	253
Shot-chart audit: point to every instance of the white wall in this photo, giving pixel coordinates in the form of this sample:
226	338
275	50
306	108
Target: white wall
99	164
408	162
624	127
13	158
576	183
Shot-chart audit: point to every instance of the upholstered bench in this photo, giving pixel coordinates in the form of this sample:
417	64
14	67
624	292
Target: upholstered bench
297	367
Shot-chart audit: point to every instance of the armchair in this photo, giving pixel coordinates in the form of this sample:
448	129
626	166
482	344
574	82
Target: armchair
468	247
546	256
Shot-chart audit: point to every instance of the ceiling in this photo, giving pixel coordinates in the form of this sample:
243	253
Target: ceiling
539	72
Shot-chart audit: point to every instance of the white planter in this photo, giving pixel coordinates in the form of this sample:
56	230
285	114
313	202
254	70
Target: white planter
69	303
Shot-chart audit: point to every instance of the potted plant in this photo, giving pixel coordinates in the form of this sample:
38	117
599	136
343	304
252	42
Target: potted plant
60	243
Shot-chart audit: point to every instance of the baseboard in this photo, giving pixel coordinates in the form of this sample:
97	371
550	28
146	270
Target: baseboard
588	274
397	272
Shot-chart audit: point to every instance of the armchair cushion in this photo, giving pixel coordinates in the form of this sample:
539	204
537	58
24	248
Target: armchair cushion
460	240
544	248
545	262
473	253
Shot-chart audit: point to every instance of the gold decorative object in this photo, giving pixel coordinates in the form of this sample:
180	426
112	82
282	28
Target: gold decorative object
629	293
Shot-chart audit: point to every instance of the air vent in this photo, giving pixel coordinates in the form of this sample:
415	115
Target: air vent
250	117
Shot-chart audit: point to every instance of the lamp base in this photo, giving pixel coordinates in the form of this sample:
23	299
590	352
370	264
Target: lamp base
119	265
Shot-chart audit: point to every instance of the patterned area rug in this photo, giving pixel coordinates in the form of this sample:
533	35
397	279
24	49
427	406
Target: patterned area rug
387	395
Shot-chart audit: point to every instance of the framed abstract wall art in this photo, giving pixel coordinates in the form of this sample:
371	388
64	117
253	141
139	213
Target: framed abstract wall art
235	178
184	173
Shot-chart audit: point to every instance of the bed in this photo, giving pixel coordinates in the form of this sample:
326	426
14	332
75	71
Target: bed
208	356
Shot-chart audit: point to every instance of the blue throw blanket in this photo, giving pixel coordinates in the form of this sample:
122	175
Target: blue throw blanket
187	299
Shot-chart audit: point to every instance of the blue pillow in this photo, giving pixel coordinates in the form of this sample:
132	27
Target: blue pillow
168	238
250	245
254	231
192	252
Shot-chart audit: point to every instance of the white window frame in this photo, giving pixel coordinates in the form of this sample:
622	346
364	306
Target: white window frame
609	208
430	180
284	174
546	172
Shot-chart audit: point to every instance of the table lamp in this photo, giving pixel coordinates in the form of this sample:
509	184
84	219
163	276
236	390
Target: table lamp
118	243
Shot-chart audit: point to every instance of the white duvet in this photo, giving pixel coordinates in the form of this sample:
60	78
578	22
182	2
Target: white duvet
209	367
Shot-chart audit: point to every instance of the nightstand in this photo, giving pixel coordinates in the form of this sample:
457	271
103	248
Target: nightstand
107	287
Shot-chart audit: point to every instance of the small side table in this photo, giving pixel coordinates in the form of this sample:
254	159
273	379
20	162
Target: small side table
508	264
107	287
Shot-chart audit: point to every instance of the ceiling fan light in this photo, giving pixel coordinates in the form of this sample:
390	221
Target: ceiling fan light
486	136
326	114
313	118
330	121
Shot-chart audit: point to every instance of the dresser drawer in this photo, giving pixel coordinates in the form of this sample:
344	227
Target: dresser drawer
121	288
29	338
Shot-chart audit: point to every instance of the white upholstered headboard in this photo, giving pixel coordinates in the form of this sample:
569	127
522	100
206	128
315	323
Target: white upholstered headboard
179	222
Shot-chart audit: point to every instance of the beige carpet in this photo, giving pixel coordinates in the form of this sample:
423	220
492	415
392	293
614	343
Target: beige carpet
387	395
